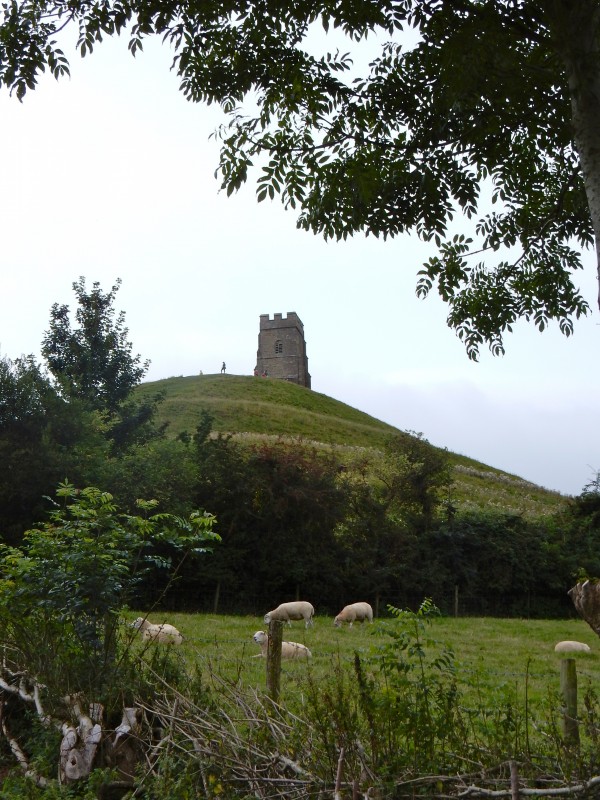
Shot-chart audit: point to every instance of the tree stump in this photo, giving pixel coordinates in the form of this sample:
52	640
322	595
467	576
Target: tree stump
586	599
79	744
124	745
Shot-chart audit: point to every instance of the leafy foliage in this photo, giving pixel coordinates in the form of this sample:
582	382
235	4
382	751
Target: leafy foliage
64	589
42	438
431	131
420	679
490	102
416	479
93	362
277	506
380	525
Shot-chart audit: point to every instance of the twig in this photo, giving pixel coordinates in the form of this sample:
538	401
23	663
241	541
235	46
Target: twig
559	791
514	780
292	765
338	777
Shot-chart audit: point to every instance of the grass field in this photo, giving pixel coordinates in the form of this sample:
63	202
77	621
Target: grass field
494	657
399	722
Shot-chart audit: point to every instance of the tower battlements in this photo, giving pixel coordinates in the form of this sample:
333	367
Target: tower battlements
282	349
279	321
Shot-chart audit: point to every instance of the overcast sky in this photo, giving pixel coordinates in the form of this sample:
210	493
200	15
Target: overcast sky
110	174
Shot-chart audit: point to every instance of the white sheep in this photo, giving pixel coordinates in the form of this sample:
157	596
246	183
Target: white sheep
286	612
163	634
355	612
289	650
569	646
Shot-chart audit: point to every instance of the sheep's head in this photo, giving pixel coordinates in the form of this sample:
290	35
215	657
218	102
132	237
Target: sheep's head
267	618
337	622
260	637
137	623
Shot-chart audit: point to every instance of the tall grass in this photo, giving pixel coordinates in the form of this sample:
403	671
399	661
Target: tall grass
381	710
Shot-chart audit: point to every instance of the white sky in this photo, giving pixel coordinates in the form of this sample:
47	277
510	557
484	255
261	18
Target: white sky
111	174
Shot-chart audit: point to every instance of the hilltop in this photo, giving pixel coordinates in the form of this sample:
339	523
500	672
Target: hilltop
255	408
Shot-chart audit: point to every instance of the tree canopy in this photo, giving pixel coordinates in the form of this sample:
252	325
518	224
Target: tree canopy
92	362
497	106
94	365
43	437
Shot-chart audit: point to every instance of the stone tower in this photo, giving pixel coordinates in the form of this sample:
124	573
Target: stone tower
282	349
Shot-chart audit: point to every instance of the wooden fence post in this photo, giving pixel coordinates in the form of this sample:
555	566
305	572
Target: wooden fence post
568	690
514	780
274	659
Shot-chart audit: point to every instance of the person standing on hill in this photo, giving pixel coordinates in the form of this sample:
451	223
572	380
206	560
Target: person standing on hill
223	368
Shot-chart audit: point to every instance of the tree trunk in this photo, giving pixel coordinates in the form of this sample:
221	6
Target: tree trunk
586	599
575	29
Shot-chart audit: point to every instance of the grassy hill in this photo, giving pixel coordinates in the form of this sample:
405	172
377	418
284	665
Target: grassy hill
255	407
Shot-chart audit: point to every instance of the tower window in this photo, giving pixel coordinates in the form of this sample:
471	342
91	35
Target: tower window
279	346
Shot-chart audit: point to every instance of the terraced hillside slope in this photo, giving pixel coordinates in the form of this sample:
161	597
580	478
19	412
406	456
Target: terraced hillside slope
252	408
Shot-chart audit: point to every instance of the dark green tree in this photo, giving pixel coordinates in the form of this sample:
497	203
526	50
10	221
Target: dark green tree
376	553
297	502
501	564
498	98
43	439
161	469
224	483
25	392
392	505
93	363
277	505
416	479
577	541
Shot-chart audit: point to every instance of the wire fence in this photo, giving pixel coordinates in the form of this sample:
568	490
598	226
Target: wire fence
459	603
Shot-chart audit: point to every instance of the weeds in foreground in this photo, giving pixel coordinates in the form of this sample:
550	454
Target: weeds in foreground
393	724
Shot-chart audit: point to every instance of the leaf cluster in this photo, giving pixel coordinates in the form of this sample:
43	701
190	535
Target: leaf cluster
92	362
64	590
477	112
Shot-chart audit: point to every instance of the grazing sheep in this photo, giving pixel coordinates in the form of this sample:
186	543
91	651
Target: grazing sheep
289	650
163	634
569	646
355	612
299	609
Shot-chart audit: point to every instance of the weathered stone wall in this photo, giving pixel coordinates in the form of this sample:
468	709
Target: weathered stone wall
282	349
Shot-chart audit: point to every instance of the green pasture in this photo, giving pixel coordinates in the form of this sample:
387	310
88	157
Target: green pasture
495	658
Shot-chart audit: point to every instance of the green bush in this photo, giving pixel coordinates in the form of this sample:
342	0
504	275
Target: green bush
63	596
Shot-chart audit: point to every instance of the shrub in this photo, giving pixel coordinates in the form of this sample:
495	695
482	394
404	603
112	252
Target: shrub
62	598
